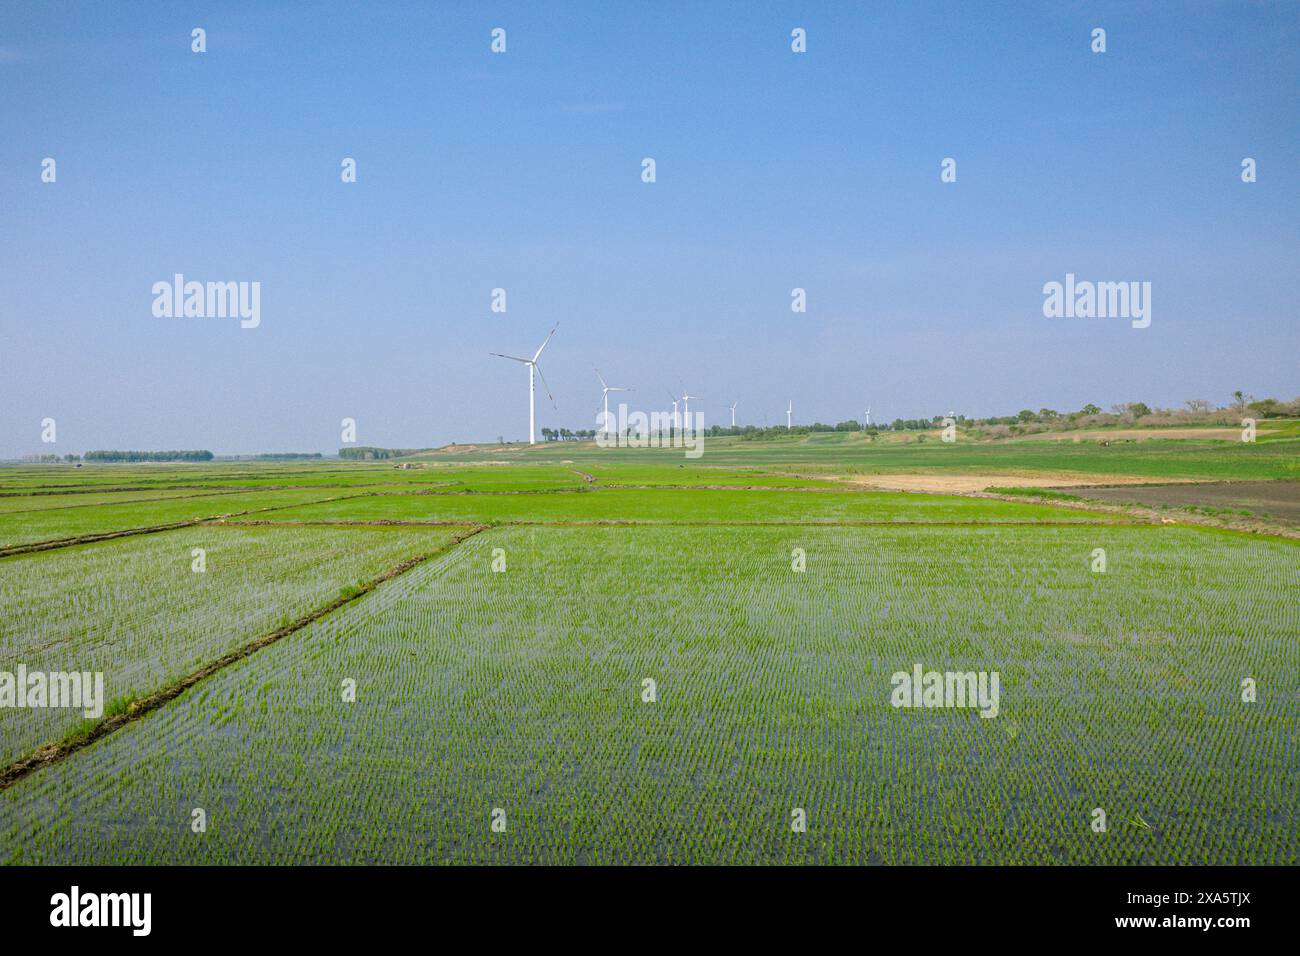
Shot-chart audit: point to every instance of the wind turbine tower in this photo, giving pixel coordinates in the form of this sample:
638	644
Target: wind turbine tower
686	411
789	413
605	390
534	371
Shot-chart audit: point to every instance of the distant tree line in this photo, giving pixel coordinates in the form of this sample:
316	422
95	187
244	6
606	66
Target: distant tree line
287	455
566	434
149	456
1026	421
754	433
1194	412
919	424
369	453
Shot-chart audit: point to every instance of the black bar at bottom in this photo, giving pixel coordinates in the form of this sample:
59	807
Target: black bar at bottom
299	905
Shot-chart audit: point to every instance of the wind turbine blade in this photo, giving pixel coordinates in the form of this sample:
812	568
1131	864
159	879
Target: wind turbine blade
513	358
545	386
538	354
602	380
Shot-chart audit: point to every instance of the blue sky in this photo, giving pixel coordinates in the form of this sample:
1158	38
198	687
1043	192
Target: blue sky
775	170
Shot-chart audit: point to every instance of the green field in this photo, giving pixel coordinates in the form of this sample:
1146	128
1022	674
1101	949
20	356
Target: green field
139	612
674	506
503	676
22	528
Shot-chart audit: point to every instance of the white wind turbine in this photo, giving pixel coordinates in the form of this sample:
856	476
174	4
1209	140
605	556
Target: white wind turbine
788	413
733	413
605	390
686	409
676	423
868	421
533	367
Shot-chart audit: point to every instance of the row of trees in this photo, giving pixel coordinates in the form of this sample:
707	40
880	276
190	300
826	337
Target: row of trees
919	424
754	433
1194	411
370	453
714	431
567	434
771	431
193	455
164	456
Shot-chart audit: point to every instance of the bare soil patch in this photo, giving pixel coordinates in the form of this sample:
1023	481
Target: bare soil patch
965	484
1278	500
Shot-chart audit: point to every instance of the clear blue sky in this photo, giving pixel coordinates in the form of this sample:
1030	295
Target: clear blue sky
522	170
